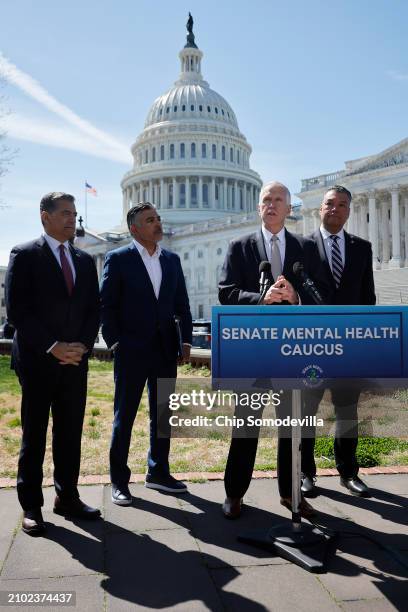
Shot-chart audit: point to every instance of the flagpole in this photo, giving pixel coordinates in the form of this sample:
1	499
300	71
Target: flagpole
86	207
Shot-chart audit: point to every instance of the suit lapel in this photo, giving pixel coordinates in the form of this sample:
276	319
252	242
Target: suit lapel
349	247
166	273
258	246
77	261
318	238
142	269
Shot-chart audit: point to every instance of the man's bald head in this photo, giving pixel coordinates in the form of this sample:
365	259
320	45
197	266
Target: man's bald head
271	185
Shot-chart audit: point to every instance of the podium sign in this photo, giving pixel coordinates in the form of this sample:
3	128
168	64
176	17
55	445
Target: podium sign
297	346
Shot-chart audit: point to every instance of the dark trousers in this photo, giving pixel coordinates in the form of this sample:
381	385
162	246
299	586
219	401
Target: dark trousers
242	453
346	435
132	371
63	389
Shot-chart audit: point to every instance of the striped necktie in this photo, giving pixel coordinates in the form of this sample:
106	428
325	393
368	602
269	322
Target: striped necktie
337	263
276	262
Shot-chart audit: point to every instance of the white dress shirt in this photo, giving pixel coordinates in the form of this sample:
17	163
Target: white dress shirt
152	265
54	246
328	245
267	236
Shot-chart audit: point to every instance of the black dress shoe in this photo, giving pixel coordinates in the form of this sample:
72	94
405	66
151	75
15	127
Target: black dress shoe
75	509
356	486
232	507
33	522
168	483
306	511
121	496
308	487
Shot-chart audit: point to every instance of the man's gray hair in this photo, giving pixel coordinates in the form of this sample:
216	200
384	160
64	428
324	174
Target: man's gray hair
271	184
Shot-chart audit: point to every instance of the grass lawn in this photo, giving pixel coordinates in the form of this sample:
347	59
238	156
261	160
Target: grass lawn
187	455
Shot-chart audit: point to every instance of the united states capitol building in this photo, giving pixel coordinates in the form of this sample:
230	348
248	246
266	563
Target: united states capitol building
192	161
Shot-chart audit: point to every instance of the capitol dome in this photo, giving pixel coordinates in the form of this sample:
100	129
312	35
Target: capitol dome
191	160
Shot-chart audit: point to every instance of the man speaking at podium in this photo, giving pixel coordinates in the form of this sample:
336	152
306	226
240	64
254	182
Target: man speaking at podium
348	266
240	284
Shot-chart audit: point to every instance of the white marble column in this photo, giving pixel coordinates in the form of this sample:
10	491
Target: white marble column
305	220
395	228
200	192
212	205
188	192
316	219
225	193
406	231
161	195
363	220
124	205
373	226
385	235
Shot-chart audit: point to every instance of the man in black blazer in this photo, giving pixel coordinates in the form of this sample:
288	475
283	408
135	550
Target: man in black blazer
52	301
239	284
142	291
348	266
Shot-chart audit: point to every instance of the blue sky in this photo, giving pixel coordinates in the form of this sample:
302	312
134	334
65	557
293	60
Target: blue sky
313	83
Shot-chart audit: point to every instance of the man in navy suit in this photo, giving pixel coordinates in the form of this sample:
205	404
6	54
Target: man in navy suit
52	301
239	284
348	267
142	291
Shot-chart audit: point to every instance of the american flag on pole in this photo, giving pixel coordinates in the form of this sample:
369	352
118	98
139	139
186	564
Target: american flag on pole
90	189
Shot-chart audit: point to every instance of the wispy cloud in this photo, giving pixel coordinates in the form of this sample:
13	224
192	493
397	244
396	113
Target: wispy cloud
32	130
398	76
32	88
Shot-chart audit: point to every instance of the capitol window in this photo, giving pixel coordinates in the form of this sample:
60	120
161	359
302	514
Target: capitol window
182	195
214	151
162	152
183	108
200	254
203	150
185	256
231	154
209	109
172	151
193	200
237	157
146	156
205	195
216	110
168	109
222	111
170	203
182	150
200	108
192	107
223	152
193	149
175	109
154	154
219	251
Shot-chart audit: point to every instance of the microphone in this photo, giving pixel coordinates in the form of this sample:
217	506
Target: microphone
307	283
264	272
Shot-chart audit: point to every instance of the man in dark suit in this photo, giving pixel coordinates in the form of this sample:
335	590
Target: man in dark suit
142	291
239	284
348	266
52	301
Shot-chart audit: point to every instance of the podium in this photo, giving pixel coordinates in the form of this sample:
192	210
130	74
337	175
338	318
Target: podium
301	347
